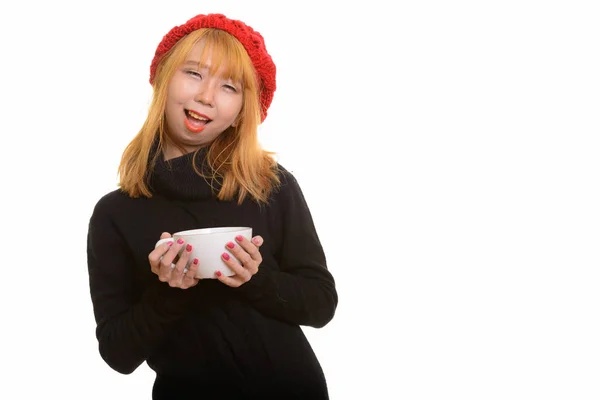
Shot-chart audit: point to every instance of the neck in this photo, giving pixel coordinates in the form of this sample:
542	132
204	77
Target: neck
171	150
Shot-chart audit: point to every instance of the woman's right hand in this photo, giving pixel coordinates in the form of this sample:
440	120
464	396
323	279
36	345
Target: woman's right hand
161	263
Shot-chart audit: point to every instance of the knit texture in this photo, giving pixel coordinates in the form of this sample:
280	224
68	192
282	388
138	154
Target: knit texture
211	338
252	41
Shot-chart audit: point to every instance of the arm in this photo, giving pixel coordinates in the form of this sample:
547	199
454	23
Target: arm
301	291
129	325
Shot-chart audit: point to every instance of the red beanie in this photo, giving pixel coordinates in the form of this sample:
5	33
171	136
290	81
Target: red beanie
252	41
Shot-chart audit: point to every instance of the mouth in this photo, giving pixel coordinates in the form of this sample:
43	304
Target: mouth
195	122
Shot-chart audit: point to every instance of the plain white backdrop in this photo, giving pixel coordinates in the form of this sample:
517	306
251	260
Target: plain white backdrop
448	152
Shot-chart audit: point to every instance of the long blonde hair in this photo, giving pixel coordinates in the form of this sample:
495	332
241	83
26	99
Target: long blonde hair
235	157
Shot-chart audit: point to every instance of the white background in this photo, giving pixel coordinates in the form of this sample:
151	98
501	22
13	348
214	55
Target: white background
448	150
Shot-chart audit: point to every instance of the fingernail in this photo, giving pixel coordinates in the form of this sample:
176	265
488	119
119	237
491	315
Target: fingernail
218	273
230	245
188	247
239	238
226	256
196	261
170	244
255	241
180	241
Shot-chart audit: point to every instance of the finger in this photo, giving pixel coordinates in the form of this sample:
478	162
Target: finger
231	281
236	267
239	253
165	235
158	252
257	240
248	255
167	260
189	277
156	255
249	262
177	273
171	255
250	247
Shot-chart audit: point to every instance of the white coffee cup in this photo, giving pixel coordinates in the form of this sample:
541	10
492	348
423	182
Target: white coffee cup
208	245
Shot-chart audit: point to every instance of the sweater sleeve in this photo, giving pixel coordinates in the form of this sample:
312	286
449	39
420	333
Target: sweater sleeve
300	290
129	325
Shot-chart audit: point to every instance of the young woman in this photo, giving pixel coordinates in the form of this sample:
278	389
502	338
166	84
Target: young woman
196	163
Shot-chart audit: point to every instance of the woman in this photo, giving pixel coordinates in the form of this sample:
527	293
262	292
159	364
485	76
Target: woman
196	163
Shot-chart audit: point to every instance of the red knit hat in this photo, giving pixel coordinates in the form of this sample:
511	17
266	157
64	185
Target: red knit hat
252	41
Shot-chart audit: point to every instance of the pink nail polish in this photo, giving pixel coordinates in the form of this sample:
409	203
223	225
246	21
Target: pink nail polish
196	261
239	238
170	244
218	273
226	256
180	241
188	247
230	245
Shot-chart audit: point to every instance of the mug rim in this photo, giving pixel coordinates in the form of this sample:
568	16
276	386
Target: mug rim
209	231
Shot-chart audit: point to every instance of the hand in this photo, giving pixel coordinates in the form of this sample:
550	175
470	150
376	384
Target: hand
176	274
247	252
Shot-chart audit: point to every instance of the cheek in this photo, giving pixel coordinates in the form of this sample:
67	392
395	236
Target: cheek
235	106
180	92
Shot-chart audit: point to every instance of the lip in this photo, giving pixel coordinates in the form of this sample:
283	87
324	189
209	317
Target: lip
200	114
192	128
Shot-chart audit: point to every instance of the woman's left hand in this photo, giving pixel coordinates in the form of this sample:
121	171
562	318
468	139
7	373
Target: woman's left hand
246	251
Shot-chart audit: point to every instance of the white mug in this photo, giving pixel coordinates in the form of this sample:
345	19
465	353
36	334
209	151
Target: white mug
208	245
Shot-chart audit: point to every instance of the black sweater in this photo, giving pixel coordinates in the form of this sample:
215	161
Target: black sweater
247	339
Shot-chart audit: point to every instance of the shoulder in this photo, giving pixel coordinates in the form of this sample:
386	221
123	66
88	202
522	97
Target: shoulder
288	191
111	199
287	180
110	203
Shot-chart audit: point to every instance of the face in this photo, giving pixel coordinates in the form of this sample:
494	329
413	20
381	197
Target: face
200	106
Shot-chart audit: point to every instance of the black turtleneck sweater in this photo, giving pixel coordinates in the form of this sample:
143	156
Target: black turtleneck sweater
210	340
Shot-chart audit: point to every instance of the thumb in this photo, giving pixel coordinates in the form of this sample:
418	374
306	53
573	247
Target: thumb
165	235
257	240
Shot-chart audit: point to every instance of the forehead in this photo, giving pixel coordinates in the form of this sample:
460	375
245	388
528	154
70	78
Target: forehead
200	55
199	51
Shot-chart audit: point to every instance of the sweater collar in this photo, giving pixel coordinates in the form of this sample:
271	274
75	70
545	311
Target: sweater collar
177	179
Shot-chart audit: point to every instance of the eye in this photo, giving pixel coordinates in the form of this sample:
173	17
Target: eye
193	73
230	88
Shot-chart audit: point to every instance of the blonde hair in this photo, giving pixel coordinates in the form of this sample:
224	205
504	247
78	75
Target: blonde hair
235	157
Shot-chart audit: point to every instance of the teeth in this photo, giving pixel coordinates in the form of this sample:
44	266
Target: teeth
194	115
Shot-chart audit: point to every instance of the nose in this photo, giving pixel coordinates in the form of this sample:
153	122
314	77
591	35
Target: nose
205	94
